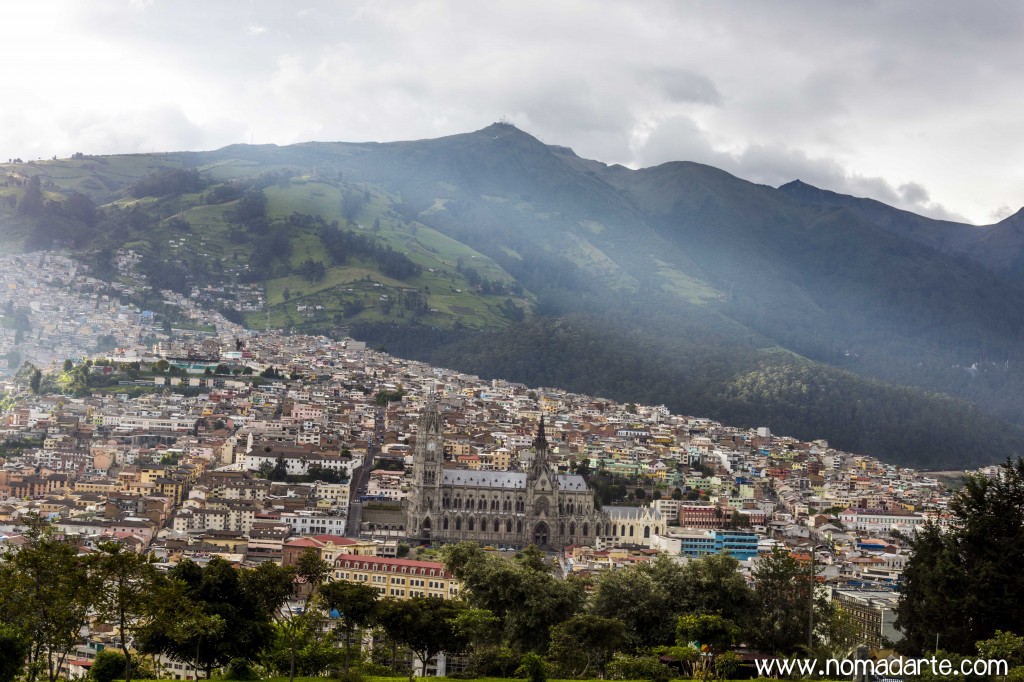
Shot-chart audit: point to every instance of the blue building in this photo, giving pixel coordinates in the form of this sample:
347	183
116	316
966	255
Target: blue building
740	544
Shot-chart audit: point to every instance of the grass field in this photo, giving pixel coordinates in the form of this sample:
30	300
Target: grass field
370	678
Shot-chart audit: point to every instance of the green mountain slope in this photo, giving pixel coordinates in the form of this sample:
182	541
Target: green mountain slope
495	253
215	235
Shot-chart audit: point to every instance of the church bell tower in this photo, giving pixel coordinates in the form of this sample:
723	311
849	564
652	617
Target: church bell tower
428	458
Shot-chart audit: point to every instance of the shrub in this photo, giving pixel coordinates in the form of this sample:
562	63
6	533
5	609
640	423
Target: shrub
626	667
352	675
241	669
109	666
533	668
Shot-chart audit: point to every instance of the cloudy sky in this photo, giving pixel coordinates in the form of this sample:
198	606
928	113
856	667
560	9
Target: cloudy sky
919	104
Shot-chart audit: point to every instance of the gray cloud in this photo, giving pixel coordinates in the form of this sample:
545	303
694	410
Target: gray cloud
881	98
683	85
681	138
913	193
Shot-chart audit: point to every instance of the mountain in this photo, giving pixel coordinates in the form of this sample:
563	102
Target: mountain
943	235
998	247
816	314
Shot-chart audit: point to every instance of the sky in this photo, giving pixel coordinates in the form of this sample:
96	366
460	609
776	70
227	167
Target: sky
917	104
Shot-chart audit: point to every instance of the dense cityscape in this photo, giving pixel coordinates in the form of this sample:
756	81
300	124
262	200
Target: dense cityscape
202	440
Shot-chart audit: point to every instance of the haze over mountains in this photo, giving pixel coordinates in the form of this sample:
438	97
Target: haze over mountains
817	314
998	247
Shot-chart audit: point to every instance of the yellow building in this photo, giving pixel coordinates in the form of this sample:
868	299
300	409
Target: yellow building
399	578
97	485
327	547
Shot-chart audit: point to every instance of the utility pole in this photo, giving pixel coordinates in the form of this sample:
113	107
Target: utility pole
810	605
810	609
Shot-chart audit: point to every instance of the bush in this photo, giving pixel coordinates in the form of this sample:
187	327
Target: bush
109	666
533	668
626	667
726	665
349	676
370	669
241	669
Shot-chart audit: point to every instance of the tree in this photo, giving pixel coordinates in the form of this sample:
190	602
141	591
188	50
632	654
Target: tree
200	630
280	470
782	600
964	584
14	648
481	631
46	592
355	605
634	598
648	598
32	200
35	380
711	584
522	594
427	625
274	586
252	207
316	651
836	631
125	580
1003	646
710	633
207	615
584	643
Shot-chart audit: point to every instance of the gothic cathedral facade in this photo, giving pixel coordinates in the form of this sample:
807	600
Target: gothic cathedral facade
512	508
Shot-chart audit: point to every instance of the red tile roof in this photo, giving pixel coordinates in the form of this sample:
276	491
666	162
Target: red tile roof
336	539
389	565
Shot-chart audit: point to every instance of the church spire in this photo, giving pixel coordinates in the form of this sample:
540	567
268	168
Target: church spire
540	443
430	418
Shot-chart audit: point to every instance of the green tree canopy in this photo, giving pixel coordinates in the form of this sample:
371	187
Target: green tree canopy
427	625
523	594
46	592
781	586
208	615
584	644
355	605
964	583
14	648
125	581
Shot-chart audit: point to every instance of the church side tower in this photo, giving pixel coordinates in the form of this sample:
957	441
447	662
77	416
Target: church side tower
428	457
